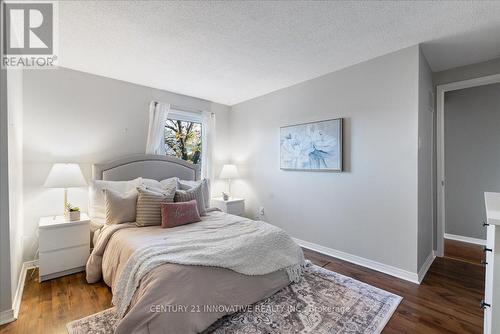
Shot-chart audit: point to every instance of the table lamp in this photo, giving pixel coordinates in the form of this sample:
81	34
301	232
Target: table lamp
65	176
229	172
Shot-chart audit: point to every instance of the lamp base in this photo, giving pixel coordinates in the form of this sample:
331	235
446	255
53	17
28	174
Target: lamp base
65	202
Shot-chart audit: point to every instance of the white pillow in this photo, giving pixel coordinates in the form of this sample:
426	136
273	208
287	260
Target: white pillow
169	183
164	184
150	183
205	188
96	194
120	208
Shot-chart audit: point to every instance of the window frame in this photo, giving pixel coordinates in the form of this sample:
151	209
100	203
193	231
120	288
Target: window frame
186	116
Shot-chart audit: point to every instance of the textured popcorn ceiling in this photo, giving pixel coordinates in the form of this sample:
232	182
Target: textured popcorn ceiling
229	52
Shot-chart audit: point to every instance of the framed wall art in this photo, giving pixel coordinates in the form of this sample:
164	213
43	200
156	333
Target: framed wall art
314	146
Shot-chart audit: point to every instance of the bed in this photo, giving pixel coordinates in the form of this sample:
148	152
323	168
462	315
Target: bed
232	261
149	166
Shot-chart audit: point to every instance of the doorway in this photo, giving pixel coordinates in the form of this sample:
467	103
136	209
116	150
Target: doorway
465	158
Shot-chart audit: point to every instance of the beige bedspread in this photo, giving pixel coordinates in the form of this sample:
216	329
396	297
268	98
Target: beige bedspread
174	298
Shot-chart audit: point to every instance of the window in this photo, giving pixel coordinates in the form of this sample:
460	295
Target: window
183	136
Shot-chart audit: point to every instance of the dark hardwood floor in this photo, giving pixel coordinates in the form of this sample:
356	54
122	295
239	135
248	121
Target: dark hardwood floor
463	251
447	301
47	307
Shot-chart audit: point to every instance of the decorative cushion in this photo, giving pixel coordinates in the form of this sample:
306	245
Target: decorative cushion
169	183
177	214
120	208
192	194
149	205
97	208
205	185
150	183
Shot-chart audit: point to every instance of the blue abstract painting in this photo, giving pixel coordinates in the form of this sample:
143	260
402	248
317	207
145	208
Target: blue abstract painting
312	146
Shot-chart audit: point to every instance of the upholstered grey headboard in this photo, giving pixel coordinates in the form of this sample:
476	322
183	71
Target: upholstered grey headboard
157	167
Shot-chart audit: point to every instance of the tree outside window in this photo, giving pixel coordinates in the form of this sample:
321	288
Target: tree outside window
183	140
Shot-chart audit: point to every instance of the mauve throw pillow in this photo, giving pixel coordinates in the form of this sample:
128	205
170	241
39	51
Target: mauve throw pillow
180	213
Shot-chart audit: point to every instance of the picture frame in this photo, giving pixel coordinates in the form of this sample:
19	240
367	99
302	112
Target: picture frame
312	146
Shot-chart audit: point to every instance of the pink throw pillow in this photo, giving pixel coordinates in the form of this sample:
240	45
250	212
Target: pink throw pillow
179	213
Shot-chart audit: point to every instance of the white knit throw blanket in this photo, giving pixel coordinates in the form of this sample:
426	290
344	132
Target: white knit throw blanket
245	246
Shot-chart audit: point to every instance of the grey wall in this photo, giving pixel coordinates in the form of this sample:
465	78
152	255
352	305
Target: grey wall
370	210
472	156
425	161
71	116
11	202
5	272
15	119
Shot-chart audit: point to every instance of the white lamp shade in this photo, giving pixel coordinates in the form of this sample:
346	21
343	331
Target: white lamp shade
65	176
229	172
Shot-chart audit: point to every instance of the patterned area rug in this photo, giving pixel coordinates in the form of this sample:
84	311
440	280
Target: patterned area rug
322	302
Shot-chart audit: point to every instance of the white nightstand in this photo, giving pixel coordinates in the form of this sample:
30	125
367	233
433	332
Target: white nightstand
234	206
64	246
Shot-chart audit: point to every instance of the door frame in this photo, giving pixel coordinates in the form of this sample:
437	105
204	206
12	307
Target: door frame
441	179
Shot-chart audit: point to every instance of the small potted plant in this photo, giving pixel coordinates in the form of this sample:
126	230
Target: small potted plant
73	212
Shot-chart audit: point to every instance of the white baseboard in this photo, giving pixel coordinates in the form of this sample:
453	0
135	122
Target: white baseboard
13	313
20	285
384	268
425	267
469	240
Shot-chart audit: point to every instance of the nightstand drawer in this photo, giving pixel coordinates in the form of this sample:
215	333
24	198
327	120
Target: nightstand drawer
61	260
62	237
235	208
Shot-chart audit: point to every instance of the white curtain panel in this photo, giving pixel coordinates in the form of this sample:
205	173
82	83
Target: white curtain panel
208	143
157	117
